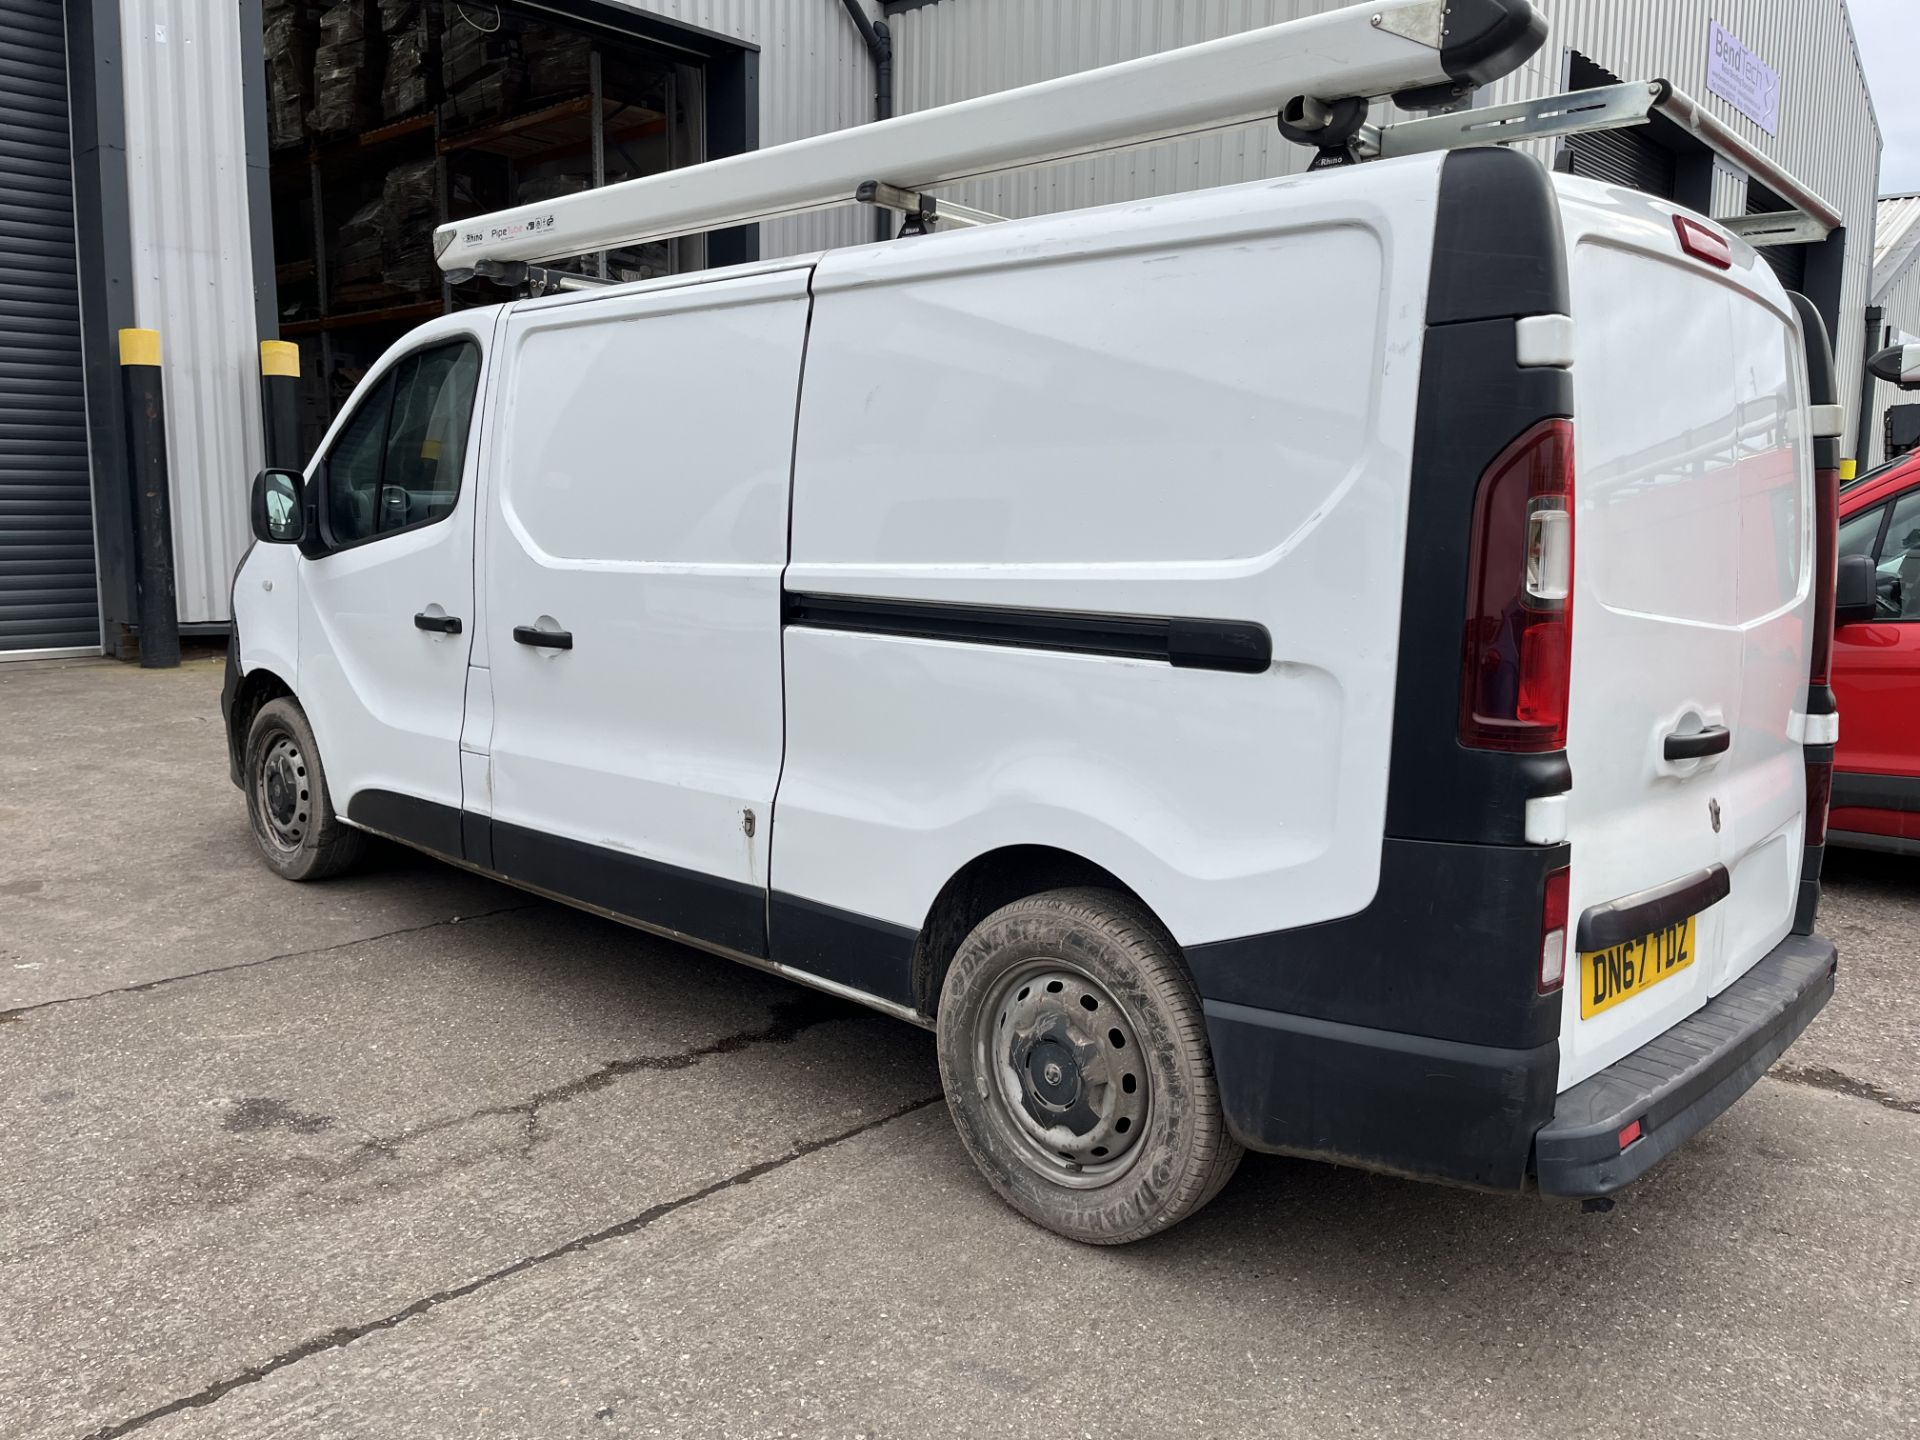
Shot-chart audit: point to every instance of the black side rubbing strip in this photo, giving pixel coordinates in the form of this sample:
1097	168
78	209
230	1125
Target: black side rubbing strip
1858	790
1632	916
424	824
1240	646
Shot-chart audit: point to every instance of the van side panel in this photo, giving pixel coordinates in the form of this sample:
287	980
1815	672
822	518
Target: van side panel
1194	408
638	503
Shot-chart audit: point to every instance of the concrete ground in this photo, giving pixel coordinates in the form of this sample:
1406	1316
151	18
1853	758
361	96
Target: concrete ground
412	1154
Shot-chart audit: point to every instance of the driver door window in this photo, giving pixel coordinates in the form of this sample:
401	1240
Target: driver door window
1899	561
397	461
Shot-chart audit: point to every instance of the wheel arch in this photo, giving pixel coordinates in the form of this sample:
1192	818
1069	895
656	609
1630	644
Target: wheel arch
982	886
256	688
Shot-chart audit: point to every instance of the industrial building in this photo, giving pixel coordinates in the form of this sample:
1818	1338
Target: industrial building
1890	423
273	169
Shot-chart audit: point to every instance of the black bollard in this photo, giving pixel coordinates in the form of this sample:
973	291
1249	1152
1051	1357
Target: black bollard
280	403
158	616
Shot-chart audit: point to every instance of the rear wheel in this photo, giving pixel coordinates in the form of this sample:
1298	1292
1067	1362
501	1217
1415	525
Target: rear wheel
294	825
1074	1056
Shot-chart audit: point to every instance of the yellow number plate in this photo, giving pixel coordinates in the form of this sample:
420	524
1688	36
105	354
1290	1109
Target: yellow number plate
1607	977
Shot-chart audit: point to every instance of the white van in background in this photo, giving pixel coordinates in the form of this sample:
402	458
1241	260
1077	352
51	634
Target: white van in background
1321	666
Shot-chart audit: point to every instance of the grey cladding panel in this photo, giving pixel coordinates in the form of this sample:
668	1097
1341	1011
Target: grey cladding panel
47	590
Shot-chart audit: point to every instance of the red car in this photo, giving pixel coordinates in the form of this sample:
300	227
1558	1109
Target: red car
1876	669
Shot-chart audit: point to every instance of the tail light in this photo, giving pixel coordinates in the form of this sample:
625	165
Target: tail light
1519	636
1553	933
1819	799
1826	565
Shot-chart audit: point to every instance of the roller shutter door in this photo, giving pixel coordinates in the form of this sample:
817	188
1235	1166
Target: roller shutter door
1626	157
1630	157
48	596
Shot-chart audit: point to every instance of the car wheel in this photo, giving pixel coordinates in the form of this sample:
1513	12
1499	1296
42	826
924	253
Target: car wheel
294	825
1074	1056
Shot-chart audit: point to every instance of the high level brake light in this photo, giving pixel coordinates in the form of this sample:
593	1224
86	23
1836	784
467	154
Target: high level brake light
1703	242
1517	661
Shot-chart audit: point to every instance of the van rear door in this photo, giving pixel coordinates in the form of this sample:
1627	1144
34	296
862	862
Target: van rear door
1692	623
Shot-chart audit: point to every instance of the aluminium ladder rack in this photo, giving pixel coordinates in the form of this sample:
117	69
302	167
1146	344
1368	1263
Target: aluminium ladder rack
1428	53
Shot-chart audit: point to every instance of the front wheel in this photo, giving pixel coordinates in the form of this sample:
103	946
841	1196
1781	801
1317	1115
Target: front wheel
294	826
1074	1056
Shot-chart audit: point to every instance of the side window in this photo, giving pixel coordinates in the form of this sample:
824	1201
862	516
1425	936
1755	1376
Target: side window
1858	532
353	469
1900	561
427	437
398	459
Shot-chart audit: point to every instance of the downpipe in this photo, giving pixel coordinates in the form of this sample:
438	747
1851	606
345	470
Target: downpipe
879	42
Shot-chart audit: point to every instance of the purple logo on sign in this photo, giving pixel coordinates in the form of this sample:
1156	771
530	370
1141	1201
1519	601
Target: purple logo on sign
1739	77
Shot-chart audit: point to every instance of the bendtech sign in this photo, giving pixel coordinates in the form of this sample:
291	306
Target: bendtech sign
1742	79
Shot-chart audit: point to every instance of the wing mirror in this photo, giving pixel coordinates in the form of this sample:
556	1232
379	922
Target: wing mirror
1855	591
279	511
1898	364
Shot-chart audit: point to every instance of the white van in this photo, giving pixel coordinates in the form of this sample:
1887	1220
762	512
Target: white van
1321	666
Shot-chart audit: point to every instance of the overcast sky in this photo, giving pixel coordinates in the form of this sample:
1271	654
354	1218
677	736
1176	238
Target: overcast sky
1889	32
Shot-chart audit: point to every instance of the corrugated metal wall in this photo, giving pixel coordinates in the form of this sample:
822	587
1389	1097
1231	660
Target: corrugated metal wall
193	276
960	48
953	49
814	76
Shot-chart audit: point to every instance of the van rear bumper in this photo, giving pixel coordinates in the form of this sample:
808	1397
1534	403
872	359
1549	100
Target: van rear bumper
1488	1117
1677	1083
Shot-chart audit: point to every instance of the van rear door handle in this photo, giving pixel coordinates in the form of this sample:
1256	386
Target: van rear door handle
445	624
1714	740
544	639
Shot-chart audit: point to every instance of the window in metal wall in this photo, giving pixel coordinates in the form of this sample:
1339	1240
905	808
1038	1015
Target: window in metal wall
389	117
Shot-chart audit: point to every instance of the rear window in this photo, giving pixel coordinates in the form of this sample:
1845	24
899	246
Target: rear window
1694	472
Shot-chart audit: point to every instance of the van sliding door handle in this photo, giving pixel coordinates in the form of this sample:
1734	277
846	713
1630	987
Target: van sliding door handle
543	639
1714	740
445	624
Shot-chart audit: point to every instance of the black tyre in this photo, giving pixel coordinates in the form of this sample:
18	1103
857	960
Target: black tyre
1074	1056
293	821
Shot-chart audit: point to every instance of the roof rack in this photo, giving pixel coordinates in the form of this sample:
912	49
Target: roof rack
1316	75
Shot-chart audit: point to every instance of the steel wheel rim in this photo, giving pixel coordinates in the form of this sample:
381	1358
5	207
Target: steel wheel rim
1064	1074
282	793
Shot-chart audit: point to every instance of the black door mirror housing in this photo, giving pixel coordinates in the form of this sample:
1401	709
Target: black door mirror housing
1855	591
279	507
1897	365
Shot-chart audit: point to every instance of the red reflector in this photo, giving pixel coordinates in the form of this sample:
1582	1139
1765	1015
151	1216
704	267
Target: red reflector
1819	800
1553	933
1518	651
1703	242
1630	1134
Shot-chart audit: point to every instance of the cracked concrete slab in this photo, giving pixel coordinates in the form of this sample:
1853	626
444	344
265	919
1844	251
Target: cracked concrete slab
207	1174
414	1154
873	1289
119	858
1870	1031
